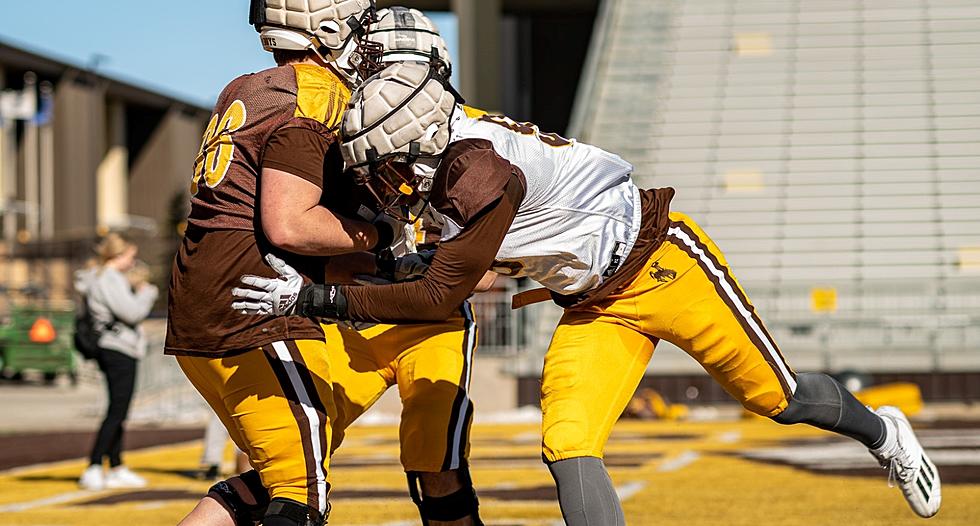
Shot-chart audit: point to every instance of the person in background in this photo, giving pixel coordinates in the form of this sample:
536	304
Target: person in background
216	439
119	298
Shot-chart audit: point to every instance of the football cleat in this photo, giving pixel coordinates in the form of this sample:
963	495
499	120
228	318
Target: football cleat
908	464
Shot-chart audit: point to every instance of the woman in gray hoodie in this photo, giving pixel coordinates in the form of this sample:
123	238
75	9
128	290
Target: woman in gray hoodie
117	304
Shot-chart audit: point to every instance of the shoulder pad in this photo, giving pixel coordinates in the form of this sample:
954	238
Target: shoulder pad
471	177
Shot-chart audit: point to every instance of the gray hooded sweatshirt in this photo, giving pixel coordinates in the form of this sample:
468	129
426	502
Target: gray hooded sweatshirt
116	308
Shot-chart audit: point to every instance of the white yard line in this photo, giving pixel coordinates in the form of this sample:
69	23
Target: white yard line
47	501
729	437
679	462
629	489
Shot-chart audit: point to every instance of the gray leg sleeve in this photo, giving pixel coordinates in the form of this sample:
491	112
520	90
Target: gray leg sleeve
823	402
586	493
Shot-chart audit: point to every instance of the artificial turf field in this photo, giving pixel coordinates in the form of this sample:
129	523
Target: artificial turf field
698	473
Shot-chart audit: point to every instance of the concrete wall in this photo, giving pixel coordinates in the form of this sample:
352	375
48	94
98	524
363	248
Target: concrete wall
162	169
112	175
479	62
80	143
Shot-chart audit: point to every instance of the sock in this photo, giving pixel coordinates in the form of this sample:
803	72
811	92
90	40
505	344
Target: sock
889	439
586	493
823	402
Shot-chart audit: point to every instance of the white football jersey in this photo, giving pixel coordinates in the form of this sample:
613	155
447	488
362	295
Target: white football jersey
581	213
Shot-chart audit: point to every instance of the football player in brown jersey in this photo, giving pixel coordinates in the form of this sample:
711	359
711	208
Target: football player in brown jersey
628	271
256	189
271	145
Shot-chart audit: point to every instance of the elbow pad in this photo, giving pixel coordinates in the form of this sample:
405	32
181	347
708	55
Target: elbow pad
322	301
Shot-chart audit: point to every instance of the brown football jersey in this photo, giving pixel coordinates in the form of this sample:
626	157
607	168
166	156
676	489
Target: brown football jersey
283	118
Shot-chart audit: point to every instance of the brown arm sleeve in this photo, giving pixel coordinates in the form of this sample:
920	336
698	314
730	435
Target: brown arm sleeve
459	264
299	147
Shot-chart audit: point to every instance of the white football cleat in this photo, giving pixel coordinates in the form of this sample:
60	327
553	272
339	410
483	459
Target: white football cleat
93	478
908	464
122	477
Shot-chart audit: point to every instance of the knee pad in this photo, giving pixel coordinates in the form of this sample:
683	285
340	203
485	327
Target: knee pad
286	512
817	401
242	513
453	507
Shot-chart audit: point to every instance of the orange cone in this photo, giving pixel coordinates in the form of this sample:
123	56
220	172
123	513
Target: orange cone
42	331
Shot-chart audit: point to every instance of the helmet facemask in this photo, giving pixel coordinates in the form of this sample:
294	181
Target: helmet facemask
400	176
397	188
400	189
365	55
366	60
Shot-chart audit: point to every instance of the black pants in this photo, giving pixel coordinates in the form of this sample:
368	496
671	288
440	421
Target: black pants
120	374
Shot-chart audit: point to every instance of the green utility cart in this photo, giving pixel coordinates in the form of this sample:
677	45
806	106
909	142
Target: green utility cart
39	339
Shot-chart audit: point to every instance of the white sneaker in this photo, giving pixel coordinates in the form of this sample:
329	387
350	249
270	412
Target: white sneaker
93	478
908	464
122	477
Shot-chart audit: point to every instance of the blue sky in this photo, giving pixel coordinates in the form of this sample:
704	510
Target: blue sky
153	44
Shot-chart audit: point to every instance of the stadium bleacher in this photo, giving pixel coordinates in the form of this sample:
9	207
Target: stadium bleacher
832	150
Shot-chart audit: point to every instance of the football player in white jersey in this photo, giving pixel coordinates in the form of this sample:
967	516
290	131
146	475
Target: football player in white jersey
627	270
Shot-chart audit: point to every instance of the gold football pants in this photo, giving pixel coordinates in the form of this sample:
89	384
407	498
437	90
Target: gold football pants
287	405
431	364
686	295
277	405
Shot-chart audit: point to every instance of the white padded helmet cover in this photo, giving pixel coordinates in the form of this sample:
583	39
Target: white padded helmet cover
325	19
400	105
407	34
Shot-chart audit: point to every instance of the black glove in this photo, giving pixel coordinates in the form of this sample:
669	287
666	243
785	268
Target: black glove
406	268
390	232
386	236
322	301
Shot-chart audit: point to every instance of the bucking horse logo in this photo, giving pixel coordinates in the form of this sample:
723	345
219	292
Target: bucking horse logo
663	275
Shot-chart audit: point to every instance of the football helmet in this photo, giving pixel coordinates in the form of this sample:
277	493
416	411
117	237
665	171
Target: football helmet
408	35
398	117
329	26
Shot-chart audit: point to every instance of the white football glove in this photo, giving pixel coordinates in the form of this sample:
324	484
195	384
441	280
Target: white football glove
404	242
269	296
404	235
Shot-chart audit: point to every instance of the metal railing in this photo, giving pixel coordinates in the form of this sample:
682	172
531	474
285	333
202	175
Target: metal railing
502	330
